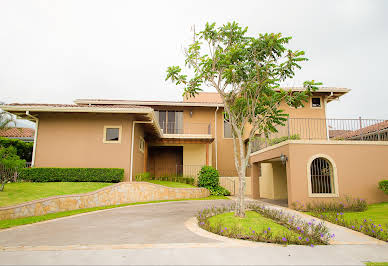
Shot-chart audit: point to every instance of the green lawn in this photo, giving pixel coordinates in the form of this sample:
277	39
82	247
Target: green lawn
35	219
15	193
378	213
253	221
376	263
170	184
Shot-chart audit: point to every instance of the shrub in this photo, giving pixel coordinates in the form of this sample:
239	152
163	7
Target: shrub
347	203
383	185
219	191
208	177
180	179
143	176
109	175
10	164
23	149
284	138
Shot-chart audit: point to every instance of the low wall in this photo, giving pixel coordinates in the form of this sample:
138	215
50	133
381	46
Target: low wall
232	184
120	193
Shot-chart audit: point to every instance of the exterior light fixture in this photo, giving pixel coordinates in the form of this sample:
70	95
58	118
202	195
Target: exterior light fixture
191	113
283	159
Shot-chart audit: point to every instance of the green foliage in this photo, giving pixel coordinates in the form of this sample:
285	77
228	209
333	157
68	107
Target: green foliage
208	177
246	71
24	149
180	179
383	185
9	158
110	175
284	138
219	191
346	204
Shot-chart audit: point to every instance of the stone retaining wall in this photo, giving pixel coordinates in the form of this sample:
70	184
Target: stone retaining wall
120	193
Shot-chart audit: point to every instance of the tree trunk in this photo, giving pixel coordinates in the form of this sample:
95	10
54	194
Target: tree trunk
240	204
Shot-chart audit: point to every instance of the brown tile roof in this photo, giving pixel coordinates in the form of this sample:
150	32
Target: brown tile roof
365	130
17	132
75	105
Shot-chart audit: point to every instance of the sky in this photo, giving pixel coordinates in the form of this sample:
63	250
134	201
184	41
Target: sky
57	51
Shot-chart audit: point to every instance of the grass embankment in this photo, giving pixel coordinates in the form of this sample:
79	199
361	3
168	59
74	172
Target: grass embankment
51	216
15	193
253	221
171	184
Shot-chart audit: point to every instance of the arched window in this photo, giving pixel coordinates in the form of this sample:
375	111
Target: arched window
322	176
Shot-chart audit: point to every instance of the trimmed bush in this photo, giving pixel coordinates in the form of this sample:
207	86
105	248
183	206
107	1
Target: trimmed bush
23	149
208	177
383	185
109	175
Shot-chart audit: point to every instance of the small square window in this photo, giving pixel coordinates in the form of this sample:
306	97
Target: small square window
112	134
316	102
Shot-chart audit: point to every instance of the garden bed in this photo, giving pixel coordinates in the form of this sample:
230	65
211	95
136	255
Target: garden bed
263	224
373	221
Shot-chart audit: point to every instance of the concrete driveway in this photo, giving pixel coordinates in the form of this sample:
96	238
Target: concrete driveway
157	234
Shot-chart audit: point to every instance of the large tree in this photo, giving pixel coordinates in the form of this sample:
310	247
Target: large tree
247	72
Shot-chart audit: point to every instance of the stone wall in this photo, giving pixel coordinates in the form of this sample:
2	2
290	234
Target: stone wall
120	193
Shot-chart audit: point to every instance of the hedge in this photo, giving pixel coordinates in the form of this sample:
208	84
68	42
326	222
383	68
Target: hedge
383	185
180	179
108	175
24	149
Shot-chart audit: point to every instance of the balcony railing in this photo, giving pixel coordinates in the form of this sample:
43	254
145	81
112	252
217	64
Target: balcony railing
186	128
326	129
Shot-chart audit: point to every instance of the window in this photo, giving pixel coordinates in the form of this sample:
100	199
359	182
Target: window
316	102
112	134
227	128
141	144
322	176
171	122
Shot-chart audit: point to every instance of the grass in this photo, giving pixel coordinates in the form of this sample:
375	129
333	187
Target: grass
170	184
15	193
378	213
253	221
35	219
376	263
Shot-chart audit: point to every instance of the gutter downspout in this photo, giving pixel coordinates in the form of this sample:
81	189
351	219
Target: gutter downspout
215	136
132	143
35	136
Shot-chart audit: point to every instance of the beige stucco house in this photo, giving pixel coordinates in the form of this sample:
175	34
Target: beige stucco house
179	137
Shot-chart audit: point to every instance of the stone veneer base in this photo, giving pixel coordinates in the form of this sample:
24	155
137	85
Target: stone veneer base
125	192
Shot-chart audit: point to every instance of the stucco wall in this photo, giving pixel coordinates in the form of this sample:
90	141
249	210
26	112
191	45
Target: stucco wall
116	194
266	181
232	184
138	155
360	166
76	140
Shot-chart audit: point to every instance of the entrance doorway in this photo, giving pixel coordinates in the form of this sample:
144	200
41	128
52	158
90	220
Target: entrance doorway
165	160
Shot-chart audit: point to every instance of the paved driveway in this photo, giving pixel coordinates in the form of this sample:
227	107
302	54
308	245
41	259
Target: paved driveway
138	224
156	234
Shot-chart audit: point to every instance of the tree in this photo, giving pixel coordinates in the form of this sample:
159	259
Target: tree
10	163
6	119
247	73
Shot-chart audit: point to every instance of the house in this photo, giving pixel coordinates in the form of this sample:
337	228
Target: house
20	133
179	137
